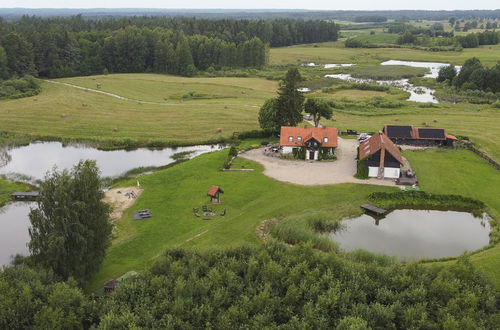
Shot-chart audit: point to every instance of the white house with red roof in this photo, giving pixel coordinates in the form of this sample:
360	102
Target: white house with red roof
315	142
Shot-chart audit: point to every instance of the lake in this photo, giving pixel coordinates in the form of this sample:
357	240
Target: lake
415	234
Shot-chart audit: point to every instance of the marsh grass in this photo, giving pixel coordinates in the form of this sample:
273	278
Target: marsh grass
387	72
308	227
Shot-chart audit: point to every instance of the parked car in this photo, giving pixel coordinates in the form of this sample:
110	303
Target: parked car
308	117
363	137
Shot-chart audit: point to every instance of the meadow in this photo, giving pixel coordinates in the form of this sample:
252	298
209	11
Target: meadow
63	112
335	52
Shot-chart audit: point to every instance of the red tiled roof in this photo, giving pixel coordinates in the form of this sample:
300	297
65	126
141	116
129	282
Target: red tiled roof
375	143
214	190
451	137
306	133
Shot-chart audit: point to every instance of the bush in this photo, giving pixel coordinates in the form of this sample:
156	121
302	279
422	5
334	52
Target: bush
16	88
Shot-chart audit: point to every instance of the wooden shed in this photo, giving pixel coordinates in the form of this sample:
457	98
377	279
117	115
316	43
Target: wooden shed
214	193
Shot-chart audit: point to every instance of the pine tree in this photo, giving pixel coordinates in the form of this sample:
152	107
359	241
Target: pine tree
290	101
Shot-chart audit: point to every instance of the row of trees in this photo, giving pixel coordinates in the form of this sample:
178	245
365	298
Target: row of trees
273	286
473	40
286	109
472	76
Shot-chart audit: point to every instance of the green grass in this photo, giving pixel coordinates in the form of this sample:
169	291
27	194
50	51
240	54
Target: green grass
250	198
7	188
389	72
377	38
463	173
335	52
67	113
354	94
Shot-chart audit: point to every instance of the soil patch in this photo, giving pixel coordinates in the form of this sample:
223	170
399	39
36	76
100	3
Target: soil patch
121	199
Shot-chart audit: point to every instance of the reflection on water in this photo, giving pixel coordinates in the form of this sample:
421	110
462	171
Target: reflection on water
35	159
415	233
14	224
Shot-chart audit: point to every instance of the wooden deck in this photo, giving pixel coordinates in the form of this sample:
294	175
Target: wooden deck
374	209
25	195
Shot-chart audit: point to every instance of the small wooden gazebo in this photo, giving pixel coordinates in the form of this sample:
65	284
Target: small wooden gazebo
214	192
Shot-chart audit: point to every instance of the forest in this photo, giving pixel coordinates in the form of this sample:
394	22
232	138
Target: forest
265	287
62	47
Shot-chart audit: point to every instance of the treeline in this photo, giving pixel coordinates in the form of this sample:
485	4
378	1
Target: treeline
273	286
370	19
472	76
60	47
473	40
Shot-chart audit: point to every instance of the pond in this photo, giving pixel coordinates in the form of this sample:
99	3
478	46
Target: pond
35	159
433	67
415	234
14	224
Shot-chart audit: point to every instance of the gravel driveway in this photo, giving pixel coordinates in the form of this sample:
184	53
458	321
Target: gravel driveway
312	173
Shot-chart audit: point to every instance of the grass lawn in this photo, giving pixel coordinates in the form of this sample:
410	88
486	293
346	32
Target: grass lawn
250	197
66	112
335	52
464	173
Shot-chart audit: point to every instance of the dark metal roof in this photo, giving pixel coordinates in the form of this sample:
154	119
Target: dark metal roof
393	131
431	133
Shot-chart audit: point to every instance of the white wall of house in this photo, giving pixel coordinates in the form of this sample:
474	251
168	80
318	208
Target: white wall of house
287	150
391	172
372	172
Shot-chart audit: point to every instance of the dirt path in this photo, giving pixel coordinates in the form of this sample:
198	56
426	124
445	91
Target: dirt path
312	173
134	100
121	199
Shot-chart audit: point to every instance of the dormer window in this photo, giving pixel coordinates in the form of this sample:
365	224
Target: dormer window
325	139
290	139
299	138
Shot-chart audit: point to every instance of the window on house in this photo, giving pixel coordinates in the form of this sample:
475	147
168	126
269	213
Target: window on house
290	138
325	139
299	138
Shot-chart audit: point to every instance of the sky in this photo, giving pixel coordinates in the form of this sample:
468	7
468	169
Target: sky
259	4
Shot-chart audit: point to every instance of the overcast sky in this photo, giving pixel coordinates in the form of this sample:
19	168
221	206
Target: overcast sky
260	4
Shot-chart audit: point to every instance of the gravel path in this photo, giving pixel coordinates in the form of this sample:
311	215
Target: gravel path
312	173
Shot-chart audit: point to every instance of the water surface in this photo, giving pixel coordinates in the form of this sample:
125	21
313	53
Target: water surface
414	234
35	159
14	224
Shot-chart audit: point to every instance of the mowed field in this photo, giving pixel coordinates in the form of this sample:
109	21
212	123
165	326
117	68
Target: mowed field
229	105
335	52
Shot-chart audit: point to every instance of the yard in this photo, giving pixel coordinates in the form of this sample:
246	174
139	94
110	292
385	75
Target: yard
251	197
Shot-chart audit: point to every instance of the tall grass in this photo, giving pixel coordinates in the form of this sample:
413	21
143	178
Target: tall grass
387	72
309	227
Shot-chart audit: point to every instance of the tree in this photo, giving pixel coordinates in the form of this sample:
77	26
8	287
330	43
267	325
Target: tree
268	116
318	109
446	73
290	102
70	229
19	54
4	72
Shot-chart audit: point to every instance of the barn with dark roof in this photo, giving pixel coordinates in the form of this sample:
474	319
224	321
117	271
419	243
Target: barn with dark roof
418	136
381	156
